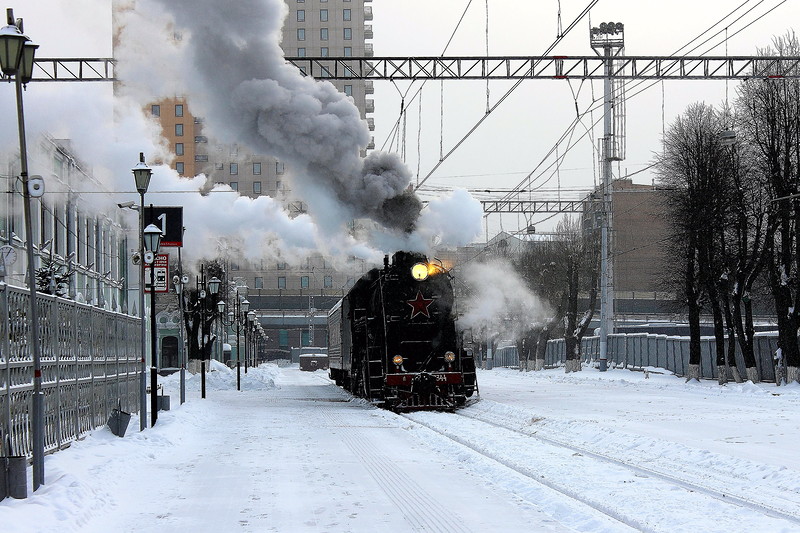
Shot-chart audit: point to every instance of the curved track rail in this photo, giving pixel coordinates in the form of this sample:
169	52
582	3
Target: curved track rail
668	481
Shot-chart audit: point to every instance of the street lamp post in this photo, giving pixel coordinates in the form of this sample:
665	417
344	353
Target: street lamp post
251	317
142	175
16	59
152	240
213	288
178	281
238	317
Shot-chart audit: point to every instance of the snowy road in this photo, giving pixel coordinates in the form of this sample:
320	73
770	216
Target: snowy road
539	452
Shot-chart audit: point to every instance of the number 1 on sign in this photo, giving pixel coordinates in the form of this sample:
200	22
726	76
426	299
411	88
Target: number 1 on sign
163	218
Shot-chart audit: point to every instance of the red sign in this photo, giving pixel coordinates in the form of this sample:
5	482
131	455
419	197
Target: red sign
161	265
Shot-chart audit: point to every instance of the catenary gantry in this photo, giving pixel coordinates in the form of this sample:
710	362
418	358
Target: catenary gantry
480	68
548	67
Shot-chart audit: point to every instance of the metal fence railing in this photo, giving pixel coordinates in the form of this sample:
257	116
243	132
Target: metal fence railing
90	360
640	350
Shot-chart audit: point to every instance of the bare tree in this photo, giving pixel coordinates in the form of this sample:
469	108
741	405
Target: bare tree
201	312
745	247
539	265
691	166
560	269
770	112
580	254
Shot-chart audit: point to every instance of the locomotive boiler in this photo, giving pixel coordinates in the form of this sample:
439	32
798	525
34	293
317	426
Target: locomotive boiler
393	338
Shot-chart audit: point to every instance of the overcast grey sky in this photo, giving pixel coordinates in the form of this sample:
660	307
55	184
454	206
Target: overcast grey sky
510	143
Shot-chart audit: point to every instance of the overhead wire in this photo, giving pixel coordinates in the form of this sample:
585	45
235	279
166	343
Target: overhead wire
449	41
508	93
636	84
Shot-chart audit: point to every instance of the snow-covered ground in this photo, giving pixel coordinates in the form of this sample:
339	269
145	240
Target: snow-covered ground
540	451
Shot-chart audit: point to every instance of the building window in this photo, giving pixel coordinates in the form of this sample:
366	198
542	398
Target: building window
279	167
348	90
283	334
323	52
235	186
305	338
301	52
178	148
301	34
259	282
179	167
201	158
301	15
303	282
234	169
346	14
278	185
155	110
219	166
282	282
281	266
234	266
256	187
178	110
348	34
323	34
200	139
328	282
178	130
348	51
323	15
256	169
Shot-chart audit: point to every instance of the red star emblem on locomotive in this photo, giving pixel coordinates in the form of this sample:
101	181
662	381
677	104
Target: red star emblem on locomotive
419	305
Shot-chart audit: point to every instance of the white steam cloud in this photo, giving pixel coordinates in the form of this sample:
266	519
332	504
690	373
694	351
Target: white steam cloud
229	64
500	304
236	75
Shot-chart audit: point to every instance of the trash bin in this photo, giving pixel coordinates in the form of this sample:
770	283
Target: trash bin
162	402
17	476
13	471
118	422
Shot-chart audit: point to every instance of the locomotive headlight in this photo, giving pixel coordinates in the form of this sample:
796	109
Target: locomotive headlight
398	360
419	272
449	357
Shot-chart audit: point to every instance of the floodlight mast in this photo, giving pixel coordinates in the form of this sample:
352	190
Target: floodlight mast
610	38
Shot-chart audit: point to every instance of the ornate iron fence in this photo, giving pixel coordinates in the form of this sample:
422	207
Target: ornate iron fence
90	361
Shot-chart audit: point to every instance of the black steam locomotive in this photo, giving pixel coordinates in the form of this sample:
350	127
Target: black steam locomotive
393	338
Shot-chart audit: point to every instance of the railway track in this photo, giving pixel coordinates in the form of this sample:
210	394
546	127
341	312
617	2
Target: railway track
643	493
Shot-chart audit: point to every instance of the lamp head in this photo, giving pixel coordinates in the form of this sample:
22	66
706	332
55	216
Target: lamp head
26	65
12	42
221	307
152	238
213	285
142	175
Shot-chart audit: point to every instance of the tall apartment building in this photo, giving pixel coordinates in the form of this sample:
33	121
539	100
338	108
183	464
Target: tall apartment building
291	300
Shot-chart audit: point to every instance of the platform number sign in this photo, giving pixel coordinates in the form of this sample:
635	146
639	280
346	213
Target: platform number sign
170	220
